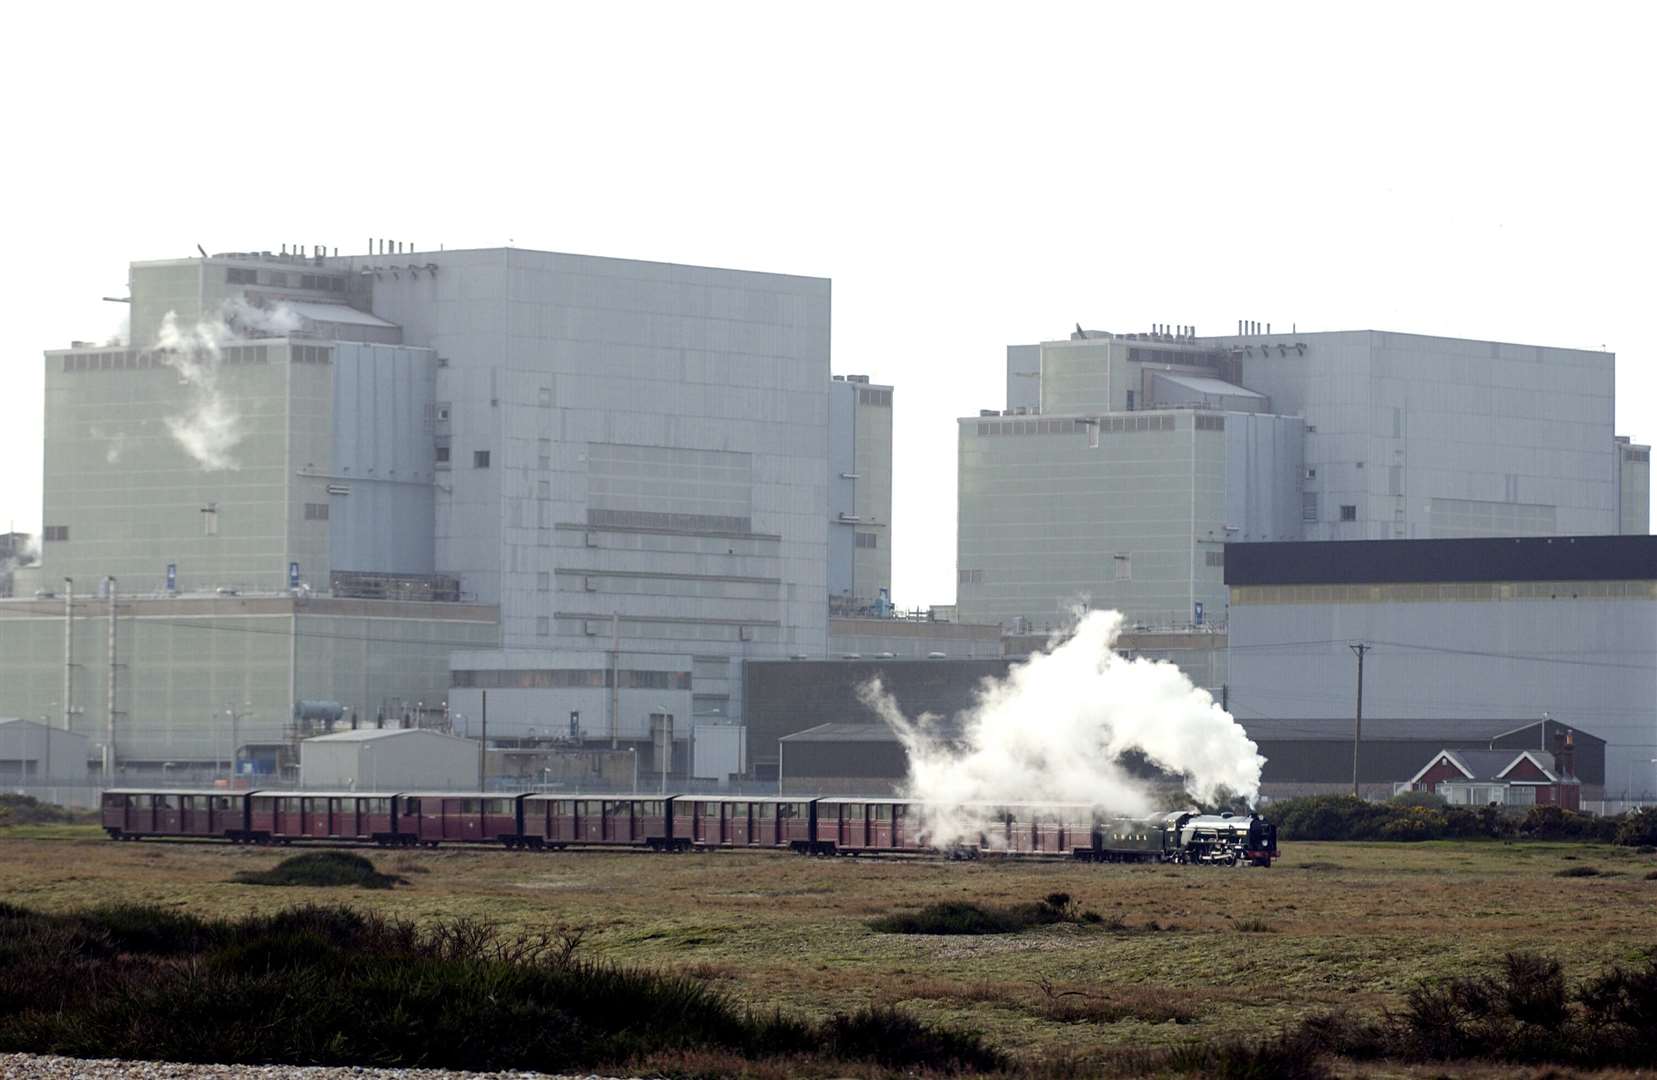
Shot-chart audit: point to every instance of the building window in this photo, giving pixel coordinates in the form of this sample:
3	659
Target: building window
1130	401
867	540
316	512
55	532
1308	506
442	456
1124	567
1349	512
480	459
970	577
1214	558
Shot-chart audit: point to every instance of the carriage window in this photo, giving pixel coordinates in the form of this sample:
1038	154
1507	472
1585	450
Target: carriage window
855	813
166	802
883	812
135	801
313	806
898	810
563	807
616	807
683	809
411	806
221	802
498	806
469	806
588	808
653	808
767	811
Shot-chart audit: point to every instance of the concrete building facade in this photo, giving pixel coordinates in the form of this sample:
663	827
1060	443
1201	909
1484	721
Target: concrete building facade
860	496
1125	462
1556	627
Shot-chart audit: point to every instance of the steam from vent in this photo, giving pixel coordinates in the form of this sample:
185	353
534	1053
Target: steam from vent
1056	729
212	427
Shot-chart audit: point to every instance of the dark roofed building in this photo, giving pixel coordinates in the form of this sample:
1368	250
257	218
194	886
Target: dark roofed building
781	697
1314	756
842	759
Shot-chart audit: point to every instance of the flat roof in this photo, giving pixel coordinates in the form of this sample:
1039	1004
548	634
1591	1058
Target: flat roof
1451	730
841	732
1385	562
366	734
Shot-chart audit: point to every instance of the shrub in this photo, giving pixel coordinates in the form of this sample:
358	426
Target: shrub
28	810
1523	1013
1578	871
1253	926
291	988
1638	829
966	917
1557	823
322	869
1430	799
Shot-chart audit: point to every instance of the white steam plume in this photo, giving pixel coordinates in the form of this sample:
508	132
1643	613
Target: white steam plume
211	429
1055	730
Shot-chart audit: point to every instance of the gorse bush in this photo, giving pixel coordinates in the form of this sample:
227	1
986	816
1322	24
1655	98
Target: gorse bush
965	917
324	985
1525	1013
1411	816
322	869
28	810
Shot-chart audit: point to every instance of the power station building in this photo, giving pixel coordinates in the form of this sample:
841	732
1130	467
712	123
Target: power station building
1124	463
589	488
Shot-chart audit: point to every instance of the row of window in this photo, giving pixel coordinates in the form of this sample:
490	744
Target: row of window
1435	593
868	540
236	275
1309	508
868	396
1110	425
316	511
568	678
55	532
231	355
312	354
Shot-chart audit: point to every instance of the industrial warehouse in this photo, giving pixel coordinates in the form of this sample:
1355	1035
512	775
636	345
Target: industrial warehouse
634	531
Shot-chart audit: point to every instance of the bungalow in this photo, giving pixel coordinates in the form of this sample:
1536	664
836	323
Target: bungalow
1503	777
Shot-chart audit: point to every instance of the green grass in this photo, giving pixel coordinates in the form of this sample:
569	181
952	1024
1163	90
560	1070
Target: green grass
323	869
776	931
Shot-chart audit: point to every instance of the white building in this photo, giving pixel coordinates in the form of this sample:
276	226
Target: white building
1124	462
389	759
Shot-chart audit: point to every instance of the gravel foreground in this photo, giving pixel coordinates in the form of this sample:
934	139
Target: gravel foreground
39	1067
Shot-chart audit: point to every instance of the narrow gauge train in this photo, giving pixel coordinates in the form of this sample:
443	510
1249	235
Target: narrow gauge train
814	826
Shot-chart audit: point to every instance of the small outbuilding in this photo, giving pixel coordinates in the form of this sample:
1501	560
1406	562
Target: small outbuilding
388	759
33	753
1503	777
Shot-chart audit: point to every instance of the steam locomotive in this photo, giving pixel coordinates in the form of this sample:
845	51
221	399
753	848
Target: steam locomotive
808	825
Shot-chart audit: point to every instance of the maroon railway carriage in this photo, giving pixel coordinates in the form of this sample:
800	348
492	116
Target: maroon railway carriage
1038	829
130	814
285	816
470	817
561	820
744	821
865	826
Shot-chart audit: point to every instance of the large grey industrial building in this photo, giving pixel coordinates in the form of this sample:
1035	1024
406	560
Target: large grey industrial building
1125	462
589	487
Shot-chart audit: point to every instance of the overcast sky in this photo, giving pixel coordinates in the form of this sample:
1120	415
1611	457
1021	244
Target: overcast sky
968	176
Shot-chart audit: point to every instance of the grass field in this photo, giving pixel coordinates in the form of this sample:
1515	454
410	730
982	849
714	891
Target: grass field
1182	952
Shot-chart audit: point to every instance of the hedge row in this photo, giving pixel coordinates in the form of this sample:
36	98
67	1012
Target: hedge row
1343	817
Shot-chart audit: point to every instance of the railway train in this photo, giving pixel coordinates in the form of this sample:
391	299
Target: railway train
824	825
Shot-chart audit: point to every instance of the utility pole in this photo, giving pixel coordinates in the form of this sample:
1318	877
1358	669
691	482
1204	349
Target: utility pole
615	673
1358	721
483	740
68	669
109	720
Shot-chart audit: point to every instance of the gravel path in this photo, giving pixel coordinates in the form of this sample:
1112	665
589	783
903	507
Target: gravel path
37	1067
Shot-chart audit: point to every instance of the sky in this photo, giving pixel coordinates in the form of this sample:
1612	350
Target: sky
969	175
